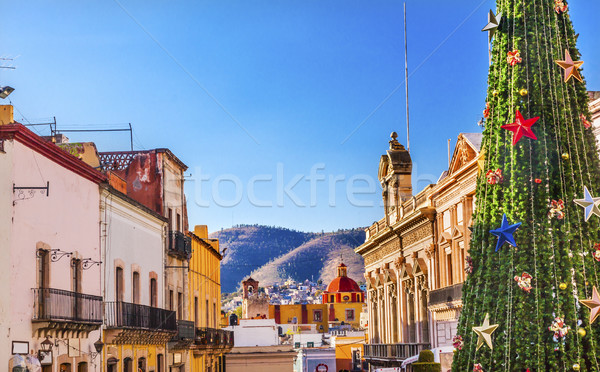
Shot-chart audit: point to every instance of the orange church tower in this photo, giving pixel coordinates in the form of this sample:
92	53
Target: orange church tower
343	297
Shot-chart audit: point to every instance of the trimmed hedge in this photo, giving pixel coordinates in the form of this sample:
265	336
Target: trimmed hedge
426	363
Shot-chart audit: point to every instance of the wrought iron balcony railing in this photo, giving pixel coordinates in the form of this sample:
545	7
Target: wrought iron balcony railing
61	305
127	315
213	338
389	352
445	295
180	245
185	330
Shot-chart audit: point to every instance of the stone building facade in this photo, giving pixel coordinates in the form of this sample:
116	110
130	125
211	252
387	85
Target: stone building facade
415	255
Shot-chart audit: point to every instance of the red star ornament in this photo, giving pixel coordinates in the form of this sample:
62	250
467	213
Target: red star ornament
521	127
571	67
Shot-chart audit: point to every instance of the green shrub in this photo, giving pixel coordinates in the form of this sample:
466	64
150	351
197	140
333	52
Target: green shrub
426	356
426	363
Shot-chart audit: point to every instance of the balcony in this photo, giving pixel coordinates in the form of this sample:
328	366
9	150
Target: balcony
382	353
51	304
211	338
180	245
445	295
185	330
127	315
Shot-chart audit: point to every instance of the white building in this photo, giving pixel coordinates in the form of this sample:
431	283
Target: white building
255	332
315	360
49	241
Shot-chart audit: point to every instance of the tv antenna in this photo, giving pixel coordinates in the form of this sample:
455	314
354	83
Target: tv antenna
5	91
7	59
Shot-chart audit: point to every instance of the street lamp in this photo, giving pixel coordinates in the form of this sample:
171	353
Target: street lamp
5	91
98	345
46	345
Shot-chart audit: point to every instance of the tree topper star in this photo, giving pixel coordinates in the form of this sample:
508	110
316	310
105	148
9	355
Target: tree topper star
571	67
593	304
505	233
493	23
521	127
484	333
589	204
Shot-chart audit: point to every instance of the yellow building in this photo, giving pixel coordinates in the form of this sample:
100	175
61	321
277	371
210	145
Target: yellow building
348	351
342	304
301	314
211	343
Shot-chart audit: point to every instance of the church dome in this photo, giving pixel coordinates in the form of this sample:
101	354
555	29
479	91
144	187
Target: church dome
342	283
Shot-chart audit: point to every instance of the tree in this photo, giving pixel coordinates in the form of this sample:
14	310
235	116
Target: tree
539	284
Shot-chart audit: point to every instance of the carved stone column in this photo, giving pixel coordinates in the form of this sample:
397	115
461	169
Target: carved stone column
373	316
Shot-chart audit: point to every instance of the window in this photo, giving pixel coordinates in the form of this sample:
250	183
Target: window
215	313
310	344
207	320
171	298
159	363
170	219
136	287
142	365
178	222
179	305
119	289
76	275
346	298
317	315
65	367
43	268
128	365
296	345
350	315
356	360
196	314
449	268
82	367
153	293
332	298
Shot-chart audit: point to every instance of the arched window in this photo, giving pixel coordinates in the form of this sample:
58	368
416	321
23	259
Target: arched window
119	284
128	365
135	287
82	367
153	293
159	362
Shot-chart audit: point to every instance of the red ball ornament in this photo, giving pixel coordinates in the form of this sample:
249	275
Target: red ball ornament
538	180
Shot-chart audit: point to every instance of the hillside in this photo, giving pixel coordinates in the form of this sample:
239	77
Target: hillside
272	254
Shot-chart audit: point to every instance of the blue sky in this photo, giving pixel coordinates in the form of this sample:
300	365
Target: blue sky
253	95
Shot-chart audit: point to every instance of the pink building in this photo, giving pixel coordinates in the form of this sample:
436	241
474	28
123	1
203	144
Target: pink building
50	252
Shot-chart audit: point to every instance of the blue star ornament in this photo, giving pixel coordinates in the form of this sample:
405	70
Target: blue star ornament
589	204
505	233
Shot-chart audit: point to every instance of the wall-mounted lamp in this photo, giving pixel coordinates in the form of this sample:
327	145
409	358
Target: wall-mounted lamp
46	345
6	91
98	345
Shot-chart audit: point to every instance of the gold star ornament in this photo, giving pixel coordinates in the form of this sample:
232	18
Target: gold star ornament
484	333
481	162
593	304
571	67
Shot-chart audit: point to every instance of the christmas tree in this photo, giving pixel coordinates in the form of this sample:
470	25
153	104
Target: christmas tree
529	301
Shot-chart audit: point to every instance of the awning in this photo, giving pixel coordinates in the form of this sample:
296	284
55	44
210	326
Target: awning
410	360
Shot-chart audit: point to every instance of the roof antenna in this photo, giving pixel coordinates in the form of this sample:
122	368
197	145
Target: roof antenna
406	80
449	158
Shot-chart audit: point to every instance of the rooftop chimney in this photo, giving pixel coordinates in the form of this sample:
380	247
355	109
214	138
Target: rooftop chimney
6	115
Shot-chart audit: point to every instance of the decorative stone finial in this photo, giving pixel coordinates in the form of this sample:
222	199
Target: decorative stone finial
394	144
